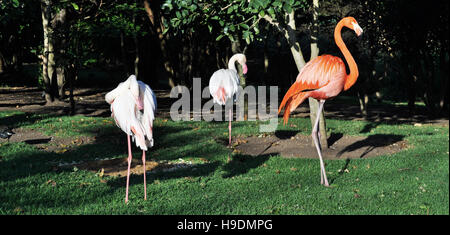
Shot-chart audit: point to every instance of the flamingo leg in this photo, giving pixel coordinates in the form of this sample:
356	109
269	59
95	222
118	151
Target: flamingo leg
145	183
130	156
229	127
315	136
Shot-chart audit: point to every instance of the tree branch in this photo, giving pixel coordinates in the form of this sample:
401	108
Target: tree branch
227	6
272	22
149	12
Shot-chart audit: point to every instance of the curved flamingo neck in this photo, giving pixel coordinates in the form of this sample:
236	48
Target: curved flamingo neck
232	61
350	79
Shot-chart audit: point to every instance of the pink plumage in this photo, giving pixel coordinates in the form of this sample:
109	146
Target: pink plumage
224	84
133	106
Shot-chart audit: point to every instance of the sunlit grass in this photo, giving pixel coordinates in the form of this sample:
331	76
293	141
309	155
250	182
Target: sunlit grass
414	181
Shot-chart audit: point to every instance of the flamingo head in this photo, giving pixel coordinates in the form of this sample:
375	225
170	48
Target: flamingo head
351	23
243	60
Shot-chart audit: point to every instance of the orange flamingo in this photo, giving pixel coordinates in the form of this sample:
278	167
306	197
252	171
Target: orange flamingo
323	78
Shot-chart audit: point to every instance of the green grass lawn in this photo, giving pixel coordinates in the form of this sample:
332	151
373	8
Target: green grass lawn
414	181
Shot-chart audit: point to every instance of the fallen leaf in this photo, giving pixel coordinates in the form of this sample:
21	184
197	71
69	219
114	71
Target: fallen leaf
18	210
61	151
52	182
83	184
403	169
102	172
236	151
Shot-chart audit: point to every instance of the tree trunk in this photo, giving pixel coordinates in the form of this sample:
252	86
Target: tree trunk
60	26
57	60
300	63
2	63
47	62
313	103
289	33
158	31
294	45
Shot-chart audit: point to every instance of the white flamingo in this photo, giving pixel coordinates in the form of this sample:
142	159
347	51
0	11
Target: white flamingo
224	84
133	106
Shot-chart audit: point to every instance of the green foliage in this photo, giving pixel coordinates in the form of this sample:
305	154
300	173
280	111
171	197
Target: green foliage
20	28
94	24
227	18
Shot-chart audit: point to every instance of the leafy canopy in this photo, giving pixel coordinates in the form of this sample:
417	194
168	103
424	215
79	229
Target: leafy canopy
227	18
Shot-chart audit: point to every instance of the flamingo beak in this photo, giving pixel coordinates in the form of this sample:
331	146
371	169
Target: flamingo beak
358	29
244	68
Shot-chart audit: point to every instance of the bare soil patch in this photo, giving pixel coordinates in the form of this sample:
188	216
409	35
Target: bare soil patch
119	166
47	143
291	145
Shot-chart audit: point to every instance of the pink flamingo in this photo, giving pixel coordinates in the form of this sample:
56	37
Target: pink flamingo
224	85
133	106
323	78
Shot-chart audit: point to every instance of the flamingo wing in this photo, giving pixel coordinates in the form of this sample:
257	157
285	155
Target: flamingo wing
123	110
312	79
146	119
223	85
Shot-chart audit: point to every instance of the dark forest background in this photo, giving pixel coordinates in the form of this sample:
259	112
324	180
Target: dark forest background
402	56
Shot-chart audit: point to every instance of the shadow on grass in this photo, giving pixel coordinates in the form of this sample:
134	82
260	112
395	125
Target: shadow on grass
24	162
110	142
14	120
370	143
119	183
241	164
